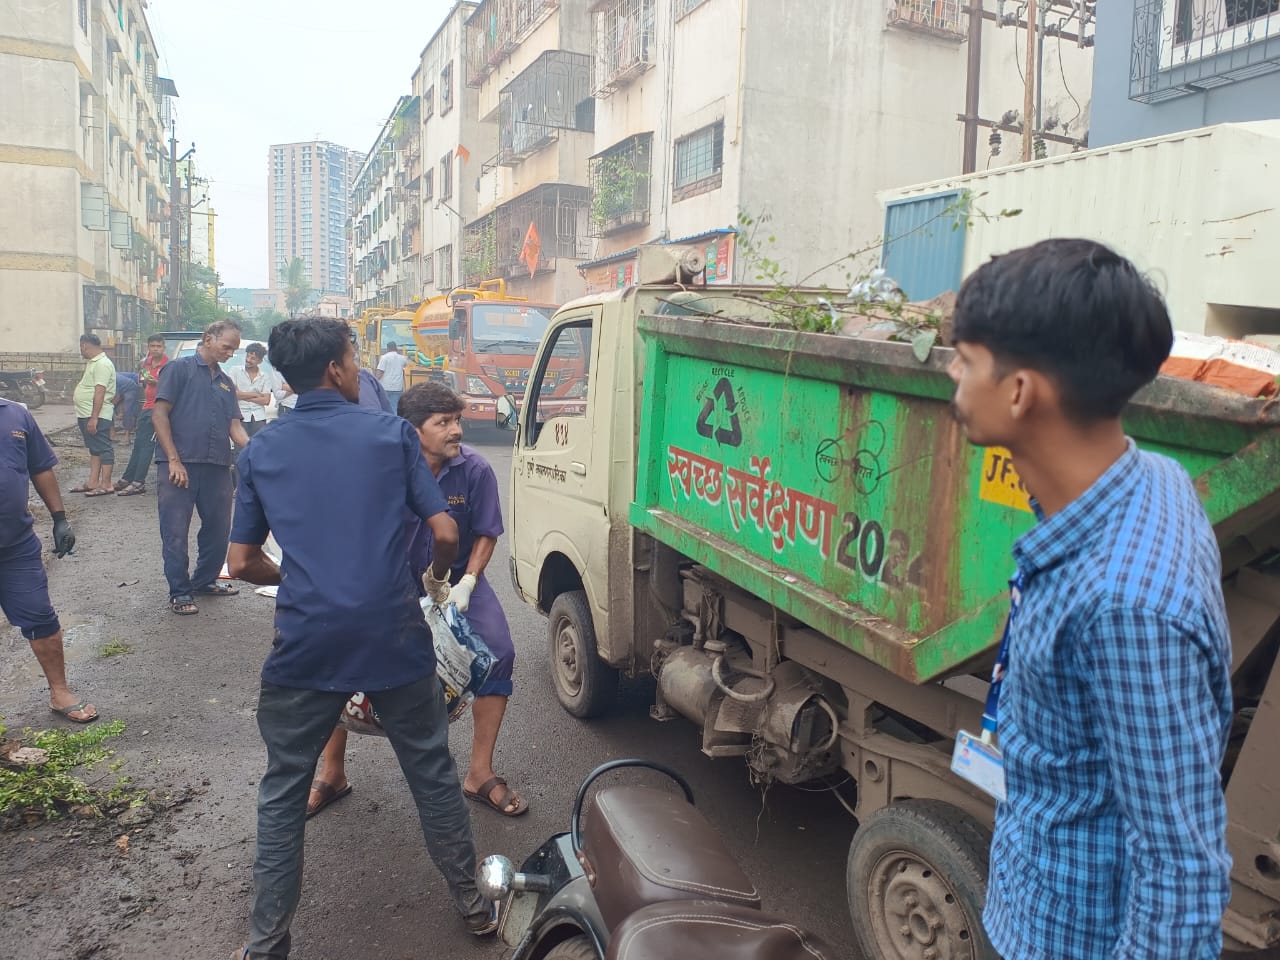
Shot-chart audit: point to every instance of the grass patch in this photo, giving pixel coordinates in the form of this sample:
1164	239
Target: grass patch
115	647
50	789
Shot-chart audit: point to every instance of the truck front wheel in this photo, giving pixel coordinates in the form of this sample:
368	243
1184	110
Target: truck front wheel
917	880
585	685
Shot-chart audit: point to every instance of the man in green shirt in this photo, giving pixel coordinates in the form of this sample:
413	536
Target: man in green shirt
94	411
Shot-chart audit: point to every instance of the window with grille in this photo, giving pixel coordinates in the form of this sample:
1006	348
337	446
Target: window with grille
699	159
428	269
444	267
84	16
686	7
446	176
429	103
429	185
446	88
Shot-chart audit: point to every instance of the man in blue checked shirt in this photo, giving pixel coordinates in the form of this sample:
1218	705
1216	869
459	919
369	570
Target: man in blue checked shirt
1115	709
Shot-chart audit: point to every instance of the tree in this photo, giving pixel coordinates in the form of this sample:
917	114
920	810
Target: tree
297	285
259	326
199	305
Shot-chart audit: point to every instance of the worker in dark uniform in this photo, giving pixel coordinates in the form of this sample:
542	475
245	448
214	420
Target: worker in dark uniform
25	456
347	615
471	489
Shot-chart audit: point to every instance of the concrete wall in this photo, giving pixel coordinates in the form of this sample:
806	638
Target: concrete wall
1117	119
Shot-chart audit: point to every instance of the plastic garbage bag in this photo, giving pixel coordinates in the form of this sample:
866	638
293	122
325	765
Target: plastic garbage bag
463	664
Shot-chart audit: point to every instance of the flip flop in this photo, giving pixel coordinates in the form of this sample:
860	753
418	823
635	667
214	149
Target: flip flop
65	712
217	590
183	606
328	794
132	490
483	924
508	797
100	493
83	488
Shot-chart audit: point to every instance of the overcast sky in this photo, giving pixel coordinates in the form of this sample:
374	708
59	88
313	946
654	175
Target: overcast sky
251	73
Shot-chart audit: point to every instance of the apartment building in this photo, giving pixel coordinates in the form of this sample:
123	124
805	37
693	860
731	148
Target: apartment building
530	62
83	173
379	269
797	114
308	190
444	179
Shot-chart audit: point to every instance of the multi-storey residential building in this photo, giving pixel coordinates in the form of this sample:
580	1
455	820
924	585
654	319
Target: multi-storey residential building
83	173
308	186
530	62
1164	66
454	144
380	274
799	113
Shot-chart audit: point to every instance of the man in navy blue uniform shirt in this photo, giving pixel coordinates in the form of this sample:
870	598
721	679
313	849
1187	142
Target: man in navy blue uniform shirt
25	456
196	417
330	483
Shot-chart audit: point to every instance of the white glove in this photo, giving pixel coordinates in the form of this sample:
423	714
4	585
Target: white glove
437	590
460	595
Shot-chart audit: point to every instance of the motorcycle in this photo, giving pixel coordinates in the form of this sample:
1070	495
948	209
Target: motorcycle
23	387
647	878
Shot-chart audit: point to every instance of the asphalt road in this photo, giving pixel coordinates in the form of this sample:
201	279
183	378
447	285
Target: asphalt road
187	692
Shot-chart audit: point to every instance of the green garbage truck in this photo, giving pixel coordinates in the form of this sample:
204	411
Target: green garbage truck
789	531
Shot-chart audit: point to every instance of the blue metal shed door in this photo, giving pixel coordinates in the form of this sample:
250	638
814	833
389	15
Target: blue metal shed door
924	244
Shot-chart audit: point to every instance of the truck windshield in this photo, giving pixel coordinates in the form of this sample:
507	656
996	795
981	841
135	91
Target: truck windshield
399	332
507	328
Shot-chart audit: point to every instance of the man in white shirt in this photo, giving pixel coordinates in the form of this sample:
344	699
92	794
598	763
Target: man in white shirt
253	388
391	373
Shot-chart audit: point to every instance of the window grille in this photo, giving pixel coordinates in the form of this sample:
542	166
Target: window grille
699	160
623	43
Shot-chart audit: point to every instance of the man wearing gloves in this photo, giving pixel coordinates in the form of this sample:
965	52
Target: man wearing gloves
24	587
347	615
471	488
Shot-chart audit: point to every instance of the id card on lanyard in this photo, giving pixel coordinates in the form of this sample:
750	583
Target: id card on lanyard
977	758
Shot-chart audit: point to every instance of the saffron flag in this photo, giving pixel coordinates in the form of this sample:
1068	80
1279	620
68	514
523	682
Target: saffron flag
462	153
531	251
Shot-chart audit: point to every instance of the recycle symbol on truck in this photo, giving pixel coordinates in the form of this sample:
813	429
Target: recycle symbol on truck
731	435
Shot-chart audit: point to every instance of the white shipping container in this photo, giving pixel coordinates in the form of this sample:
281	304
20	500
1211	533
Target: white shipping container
1198	211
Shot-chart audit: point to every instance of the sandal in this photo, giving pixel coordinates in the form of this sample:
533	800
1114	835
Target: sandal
106	492
120	485
483	924
66	712
183	606
132	490
83	488
216	589
328	794
508	797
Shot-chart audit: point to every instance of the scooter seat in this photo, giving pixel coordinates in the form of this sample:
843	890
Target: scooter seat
646	845
712	931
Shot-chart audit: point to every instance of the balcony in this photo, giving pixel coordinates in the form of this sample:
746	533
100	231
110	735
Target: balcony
941	18
1184	47
620	181
623	34
496	29
558	214
552	94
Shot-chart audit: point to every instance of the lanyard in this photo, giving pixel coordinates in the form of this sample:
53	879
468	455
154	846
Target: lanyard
991	712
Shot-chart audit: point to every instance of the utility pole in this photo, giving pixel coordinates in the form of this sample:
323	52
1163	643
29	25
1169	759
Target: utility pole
175	230
973	77
1029	86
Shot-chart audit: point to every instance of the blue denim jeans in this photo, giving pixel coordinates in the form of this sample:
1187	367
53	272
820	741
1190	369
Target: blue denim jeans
209	493
295	724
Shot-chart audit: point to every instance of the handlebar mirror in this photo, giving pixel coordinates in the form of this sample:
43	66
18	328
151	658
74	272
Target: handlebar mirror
495	878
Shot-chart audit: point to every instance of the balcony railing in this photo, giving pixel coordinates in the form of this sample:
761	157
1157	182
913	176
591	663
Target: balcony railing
620	182
496	29
623	31
552	94
1182	47
942	18
559	214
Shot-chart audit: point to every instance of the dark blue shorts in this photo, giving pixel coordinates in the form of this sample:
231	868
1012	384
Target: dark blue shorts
24	590
490	623
99	443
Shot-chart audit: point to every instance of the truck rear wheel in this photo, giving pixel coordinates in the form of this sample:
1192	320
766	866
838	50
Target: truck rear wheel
917	880
585	685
